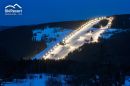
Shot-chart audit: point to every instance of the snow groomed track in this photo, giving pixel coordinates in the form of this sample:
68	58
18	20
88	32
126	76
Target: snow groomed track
76	39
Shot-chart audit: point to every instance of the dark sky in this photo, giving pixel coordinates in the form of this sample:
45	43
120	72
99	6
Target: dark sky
42	11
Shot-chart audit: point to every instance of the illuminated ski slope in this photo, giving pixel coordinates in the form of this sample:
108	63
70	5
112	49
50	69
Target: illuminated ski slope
77	38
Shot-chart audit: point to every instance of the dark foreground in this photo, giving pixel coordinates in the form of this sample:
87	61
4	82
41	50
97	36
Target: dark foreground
74	73
101	64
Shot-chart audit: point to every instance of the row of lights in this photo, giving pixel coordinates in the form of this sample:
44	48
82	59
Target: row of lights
90	22
108	25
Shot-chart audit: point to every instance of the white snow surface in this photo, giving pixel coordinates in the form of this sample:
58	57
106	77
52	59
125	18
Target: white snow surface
110	32
55	35
36	80
127	81
52	36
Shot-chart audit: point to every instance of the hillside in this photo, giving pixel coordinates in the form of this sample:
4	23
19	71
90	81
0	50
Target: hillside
114	50
17	42
107	59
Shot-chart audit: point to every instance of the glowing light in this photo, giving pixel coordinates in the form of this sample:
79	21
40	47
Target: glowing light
77	38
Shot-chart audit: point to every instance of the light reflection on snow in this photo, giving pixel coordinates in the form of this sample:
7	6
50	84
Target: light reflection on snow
52	36
110	32
38	80
37	35
127	81
64	80
49	33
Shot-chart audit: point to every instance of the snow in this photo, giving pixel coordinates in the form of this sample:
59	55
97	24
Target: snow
37	34
52	36
110	32
97	77
127	81
36	80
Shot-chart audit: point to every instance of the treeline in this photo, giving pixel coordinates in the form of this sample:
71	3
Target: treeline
113	52
80	71
121	21
17	43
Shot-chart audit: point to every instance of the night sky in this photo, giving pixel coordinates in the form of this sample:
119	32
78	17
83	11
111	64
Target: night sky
42	11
